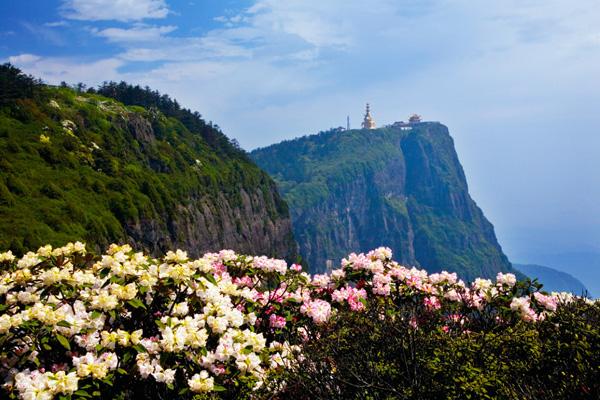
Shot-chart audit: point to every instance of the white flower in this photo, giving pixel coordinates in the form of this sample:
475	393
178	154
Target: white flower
62	382
28	260
104	301
201	382
506	279
482	284
181	309
178	256
7	256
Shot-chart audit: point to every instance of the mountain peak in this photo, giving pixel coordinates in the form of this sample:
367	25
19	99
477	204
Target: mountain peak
389	186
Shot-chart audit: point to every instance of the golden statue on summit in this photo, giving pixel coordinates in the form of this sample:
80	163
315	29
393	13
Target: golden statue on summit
368	122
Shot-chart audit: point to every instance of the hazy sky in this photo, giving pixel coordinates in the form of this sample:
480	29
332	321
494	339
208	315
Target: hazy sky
516	81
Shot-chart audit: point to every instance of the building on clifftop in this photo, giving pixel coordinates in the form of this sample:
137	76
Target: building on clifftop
368	122
414	119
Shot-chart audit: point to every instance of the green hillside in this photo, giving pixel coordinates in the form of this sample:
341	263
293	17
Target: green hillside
84	166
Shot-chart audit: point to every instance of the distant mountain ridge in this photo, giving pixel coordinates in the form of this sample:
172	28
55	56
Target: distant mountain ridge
584	265
552	279
397	187
127	164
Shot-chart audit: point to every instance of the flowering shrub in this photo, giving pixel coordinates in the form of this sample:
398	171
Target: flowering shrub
125	325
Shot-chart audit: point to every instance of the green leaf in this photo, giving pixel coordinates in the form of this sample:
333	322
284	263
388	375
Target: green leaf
136	303
64	324
211	279
183	391
219	388
140	348
96	314
82	393
63	341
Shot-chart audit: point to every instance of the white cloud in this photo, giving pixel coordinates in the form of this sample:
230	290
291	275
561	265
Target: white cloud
56	24
54	70
140	33
23	59
119	10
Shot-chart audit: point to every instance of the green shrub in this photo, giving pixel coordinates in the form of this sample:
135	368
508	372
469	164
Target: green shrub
367	357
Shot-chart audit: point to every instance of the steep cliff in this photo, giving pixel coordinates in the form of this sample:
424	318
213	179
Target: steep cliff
355	190
82	166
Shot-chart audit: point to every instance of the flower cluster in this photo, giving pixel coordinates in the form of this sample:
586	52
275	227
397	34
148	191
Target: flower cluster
71	322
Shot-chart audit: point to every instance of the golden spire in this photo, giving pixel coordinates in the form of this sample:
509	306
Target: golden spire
368	122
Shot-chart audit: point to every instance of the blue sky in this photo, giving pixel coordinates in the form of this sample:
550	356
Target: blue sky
516	81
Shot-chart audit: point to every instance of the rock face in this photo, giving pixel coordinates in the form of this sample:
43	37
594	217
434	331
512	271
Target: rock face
359	189
80	166
204	224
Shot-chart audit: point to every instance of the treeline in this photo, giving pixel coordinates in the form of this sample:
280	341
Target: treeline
148	98
14	84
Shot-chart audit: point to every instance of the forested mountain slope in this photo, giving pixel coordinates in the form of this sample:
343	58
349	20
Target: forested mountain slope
126	164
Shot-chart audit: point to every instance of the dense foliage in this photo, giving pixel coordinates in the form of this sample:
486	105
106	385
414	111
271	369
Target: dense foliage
83	166
419	352
14	84
232	326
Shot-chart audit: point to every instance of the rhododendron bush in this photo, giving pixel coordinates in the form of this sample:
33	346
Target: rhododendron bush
124	325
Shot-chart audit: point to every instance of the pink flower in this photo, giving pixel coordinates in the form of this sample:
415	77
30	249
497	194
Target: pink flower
296	267
352	295
413	323
432	303
382	290
523	306
243	281
548	302
318	310
217	369
321	281
456	318
219	268
357	261
443	277
452	295
276	321
356	304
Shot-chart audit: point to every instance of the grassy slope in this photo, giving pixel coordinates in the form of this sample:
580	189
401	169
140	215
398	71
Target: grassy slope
86	183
